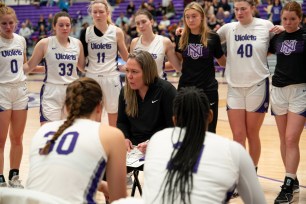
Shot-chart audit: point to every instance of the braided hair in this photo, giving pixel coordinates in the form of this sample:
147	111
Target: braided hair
82	97
191	110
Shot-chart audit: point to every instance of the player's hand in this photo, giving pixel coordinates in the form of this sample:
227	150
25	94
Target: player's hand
179	31
128	145
277	29
102	187
143	146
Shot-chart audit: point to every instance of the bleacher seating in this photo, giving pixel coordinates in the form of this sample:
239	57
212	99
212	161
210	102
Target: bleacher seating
178	4
33	12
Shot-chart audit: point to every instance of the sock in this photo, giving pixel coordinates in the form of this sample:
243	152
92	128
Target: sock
2	179
13	172
293	176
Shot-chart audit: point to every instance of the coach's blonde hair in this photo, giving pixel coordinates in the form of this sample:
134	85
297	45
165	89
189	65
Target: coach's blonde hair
149	69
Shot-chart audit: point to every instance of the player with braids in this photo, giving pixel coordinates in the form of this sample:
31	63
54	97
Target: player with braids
79	149
183	159
73	103
13	93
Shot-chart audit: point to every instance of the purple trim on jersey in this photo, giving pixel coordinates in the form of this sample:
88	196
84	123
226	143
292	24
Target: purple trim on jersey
2	109
196	166
229	194
121	82
94	181
117	57
46	72
42	117
227	107
303	113
272	113
263	108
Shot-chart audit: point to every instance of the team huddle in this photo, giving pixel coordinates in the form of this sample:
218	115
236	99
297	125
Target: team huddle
174	128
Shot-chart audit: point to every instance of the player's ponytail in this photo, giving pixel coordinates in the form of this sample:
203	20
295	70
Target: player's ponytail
82	97
191	111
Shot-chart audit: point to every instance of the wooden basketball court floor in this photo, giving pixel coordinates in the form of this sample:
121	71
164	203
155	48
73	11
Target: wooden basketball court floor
270	169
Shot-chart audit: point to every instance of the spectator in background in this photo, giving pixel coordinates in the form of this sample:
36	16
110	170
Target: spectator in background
159	11
216	4
79	16
41	21
164	23
43	2
226	7
130	9
132	27
64	5
52	2
208	8
304	21
121	19
165	4
268	9
42	32
29	24
127	37
220	16
227	17
143	5
151	7
25	32
50	20
212	23
170	10
276	12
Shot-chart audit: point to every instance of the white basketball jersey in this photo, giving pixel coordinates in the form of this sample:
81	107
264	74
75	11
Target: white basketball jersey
75	165
102	52
61	62
157	50
215	174
12	59
247	47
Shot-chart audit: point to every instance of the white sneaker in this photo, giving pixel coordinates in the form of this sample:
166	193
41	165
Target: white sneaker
129	180
3	184
15	182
